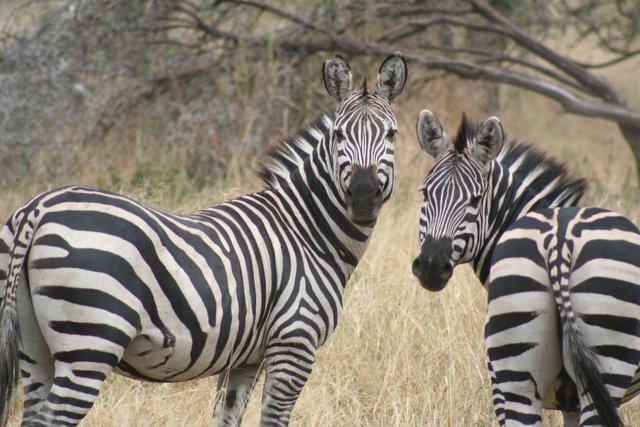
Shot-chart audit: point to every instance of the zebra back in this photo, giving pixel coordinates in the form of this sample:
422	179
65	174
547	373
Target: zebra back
523	180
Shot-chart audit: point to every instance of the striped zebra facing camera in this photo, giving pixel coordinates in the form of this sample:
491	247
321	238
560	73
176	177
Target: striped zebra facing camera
94	282
562	327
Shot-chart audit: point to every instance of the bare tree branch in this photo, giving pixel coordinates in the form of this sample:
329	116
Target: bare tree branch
485	56
409	28
425	9
468	38
568	100
609	63
341	42
598	86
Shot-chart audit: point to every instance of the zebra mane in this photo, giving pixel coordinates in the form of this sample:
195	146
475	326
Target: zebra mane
289	154
541	175
466	133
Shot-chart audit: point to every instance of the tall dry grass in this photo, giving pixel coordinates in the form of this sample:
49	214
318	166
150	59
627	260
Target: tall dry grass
401	356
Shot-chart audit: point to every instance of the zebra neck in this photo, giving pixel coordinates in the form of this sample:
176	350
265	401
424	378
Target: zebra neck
507	201
317	197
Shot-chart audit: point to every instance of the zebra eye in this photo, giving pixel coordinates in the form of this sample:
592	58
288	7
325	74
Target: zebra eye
338	135
475	200
391	134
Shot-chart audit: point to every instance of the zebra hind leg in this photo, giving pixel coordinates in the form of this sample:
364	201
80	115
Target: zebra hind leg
234	389
523	350
571	419
599	406
37	379
75	388
36	363
84	354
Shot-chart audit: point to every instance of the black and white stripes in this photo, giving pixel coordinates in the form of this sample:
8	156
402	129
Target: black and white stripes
563	319
100	282
585	262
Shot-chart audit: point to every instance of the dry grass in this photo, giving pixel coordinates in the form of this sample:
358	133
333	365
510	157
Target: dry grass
401	356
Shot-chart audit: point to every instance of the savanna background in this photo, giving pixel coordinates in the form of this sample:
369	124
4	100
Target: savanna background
174	103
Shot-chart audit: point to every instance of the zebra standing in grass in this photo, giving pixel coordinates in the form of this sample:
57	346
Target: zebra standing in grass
563	283
98	282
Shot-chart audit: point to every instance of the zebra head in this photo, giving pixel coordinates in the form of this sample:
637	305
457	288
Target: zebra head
362	136
452	217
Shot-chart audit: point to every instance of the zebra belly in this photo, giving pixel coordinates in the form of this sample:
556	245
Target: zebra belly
154	356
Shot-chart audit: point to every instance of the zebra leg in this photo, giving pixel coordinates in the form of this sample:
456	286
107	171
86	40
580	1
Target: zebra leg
610	335
571	419
521	336
36	363
496	395
84	354
36	366
286	374
237	385
79	376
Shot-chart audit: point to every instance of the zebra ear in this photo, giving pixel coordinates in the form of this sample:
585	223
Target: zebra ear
392	76
430	134
488	141
337	78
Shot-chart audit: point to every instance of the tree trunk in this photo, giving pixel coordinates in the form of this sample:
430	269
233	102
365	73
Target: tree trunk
632	135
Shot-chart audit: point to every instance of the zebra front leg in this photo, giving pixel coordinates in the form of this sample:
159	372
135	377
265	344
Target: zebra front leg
287	371
235	387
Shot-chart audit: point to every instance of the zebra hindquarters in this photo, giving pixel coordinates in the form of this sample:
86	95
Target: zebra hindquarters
36	362
521	333
587	261
71	337
605	298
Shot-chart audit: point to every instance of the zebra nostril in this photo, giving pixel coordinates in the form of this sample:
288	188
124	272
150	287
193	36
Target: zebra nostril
415	267
378	192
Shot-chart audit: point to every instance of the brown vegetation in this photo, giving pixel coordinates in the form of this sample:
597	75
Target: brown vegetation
400	356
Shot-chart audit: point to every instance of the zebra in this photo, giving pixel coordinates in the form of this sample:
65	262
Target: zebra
95	282
558	334
586	262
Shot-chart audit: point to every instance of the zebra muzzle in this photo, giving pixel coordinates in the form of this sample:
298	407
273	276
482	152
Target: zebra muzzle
433	267
363	196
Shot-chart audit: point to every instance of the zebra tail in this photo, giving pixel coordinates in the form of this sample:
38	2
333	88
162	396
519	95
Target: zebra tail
581	356
588	375
9	328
